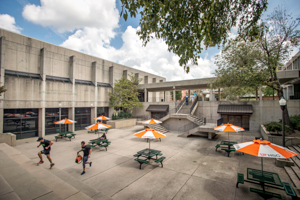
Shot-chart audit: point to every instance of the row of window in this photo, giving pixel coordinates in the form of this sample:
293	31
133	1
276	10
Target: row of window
24	122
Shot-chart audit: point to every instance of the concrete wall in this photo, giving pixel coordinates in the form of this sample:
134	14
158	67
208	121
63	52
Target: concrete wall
174	124
263	111
8	138
25	54
122	123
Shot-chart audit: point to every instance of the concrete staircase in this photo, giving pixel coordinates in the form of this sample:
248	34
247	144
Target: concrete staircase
195	120
157	127
185	109
294	171
21	178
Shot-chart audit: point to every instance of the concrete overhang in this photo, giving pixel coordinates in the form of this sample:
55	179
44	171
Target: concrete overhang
287	75
178	85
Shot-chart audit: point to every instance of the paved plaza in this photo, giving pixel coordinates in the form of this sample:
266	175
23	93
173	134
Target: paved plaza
192	168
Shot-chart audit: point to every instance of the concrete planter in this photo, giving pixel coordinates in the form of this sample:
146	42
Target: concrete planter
8	138
277	139
284	162
122	123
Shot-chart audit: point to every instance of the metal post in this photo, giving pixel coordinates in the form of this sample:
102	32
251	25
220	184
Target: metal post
283	130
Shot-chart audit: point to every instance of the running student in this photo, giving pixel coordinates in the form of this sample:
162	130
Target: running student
86	155
47	148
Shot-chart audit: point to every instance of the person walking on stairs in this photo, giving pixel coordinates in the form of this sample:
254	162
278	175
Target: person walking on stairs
86	155
47	148
187	100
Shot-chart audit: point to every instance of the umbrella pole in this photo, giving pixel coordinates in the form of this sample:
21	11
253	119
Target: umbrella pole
262	172
228	136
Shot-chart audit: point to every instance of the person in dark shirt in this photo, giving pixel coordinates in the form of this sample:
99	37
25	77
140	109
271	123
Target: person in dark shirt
187	100
86	155
47	148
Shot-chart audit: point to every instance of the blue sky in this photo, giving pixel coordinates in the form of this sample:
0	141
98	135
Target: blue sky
94	27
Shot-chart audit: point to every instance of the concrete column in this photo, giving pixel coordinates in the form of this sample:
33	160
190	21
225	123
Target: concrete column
111	76
41	126
260	94
154	93
95	105
71	111
145	95
2	80
174	96
211	93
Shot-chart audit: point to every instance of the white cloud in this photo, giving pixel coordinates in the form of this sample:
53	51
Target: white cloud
8	22
69	15
154	58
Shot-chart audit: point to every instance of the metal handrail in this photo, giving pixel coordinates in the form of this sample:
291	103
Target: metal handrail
179	105
194	103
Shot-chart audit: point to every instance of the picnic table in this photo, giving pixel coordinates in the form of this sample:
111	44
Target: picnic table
228	145
149	154
67	134
99	142
266	179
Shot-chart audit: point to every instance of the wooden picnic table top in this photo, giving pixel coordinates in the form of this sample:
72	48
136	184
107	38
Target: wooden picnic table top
265	177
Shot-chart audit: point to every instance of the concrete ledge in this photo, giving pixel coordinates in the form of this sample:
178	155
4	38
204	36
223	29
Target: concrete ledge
279	162
277	139
8	138
122	123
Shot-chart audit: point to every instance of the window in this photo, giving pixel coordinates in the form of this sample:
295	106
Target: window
51	116
83	118
21	122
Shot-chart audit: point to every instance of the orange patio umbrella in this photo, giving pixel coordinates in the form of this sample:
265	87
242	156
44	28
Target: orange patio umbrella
65	121
149	134
229	128
264	148
101	118
97	126
151	121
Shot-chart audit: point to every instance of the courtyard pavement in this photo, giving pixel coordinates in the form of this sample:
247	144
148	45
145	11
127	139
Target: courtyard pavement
192	168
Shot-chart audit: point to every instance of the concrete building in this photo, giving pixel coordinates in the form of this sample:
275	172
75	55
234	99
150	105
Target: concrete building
43	80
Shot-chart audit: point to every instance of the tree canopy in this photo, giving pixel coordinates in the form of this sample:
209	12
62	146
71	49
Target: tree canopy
245	63
125	94
188	26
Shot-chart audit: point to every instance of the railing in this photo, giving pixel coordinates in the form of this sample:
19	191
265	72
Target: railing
186	128
194	103
179	105
219	121
201	116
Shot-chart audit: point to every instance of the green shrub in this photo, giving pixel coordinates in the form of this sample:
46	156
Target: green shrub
277	127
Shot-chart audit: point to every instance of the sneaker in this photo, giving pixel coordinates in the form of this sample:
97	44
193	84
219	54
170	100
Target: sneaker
51	165
90	164
41	162
82	173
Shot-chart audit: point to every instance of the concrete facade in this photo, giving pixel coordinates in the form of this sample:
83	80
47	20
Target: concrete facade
84	75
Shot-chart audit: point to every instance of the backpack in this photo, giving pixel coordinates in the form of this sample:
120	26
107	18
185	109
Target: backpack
78	159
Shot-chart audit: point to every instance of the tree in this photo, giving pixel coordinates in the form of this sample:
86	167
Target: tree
246	63
178	95
269	92
187	26
2	89
125	94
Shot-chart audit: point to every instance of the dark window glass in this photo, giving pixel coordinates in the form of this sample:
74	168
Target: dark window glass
21	122
83	118
102	111
51	116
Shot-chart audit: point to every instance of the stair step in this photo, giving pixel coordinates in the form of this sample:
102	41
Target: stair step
91	192
293	177
295	150
55	183
296	171
24	184
296	161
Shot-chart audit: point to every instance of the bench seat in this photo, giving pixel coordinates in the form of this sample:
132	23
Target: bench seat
137	155
90	145
160	160
217	146
289	189
240	179
265	194
141	162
